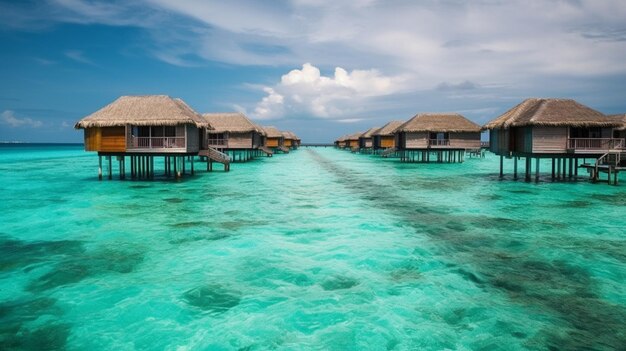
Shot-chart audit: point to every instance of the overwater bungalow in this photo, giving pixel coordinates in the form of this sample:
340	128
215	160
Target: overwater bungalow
274	139
436	137
351	141
142	128
562	130
384	138
296	141
366	140
235	135
341	142
289	140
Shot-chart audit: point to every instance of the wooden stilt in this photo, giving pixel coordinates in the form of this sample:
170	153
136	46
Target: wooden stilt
558	168
110	168
119	167
570	165
99	167
501	166
176	167
576	167
553	166
192	170
528	169
537	169
515	168
564	169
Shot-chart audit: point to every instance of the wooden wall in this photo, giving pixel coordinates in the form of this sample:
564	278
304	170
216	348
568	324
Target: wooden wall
365	142
387	141
416	140
549	139
193	140
257	140
287	142
239	141
465	140
113	139
92	139
271	142
499	141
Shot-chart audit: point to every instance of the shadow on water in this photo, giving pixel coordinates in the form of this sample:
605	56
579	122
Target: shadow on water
17	333
19	254
566	291
74	267
212	298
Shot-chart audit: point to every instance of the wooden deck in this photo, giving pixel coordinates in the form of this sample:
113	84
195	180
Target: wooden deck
213	155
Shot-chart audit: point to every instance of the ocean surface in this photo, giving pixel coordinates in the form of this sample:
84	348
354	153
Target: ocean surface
319	249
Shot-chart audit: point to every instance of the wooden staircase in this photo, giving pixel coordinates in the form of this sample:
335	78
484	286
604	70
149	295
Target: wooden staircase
266	150
388	152
283	149
214	155
610	163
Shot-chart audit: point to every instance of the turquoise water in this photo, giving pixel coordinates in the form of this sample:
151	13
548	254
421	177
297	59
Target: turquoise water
319	249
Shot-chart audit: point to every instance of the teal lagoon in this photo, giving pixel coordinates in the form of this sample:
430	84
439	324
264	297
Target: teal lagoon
319	249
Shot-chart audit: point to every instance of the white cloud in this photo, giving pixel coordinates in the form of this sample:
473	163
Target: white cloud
9	118
78	56
307	91
482	41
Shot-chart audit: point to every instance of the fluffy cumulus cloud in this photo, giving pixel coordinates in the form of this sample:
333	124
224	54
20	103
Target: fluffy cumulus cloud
480	41
466	50
306	91
9	118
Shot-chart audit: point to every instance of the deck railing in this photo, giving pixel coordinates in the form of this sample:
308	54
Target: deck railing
158	142
439	142
595	143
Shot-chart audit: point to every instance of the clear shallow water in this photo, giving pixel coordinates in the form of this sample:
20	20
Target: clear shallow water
318	249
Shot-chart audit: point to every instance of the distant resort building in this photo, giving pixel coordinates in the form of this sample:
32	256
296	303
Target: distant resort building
290	140
384	138
352	141
142	128
366	140
341	142
235	135
275	140
562	130
436	137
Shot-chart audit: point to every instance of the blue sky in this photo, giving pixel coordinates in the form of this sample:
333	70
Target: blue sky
320	68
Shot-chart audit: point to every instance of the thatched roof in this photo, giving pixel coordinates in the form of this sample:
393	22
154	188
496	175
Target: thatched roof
260	129
147	110
231	122
369	132
387	129
621	119
438	122
272	132
289	135
550	112
354	136
342	138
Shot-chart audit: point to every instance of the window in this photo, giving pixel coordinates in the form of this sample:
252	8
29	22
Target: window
594	132
439	136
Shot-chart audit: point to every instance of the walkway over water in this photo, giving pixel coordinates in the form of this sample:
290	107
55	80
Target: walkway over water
318	249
